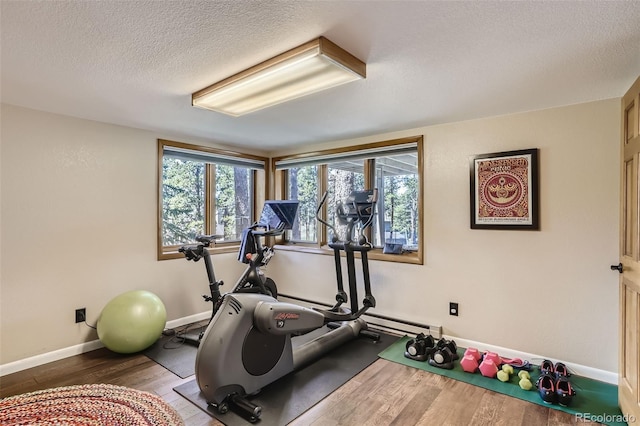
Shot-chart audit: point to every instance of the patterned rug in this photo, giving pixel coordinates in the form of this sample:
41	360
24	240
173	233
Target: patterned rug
88	405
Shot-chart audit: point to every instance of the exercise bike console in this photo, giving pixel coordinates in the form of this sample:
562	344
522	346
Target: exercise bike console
276	217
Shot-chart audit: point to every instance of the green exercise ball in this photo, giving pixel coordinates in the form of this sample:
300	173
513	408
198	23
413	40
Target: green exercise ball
131	322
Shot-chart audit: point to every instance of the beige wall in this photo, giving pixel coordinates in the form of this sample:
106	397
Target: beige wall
548	292
78	227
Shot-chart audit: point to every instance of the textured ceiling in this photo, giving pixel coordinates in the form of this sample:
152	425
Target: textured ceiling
136	63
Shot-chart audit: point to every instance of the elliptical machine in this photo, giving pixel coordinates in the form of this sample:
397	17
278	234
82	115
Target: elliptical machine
357	209
276	217
247	345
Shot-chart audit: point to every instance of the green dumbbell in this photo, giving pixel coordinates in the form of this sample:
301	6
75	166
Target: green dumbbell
525	380
505	373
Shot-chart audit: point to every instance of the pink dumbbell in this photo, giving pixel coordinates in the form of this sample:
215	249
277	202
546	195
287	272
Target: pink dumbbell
474	353
488	368
497	360
469	363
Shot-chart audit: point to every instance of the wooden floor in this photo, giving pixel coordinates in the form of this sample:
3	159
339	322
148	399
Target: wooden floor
384	394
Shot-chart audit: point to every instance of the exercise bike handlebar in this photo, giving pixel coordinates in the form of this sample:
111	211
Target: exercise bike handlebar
208	239
266	232
196	251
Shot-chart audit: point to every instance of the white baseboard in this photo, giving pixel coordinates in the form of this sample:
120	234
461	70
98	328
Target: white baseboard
436	332
34	361
579	369
188	320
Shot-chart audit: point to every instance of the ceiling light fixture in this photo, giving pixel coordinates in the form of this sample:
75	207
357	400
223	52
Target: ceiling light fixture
312	67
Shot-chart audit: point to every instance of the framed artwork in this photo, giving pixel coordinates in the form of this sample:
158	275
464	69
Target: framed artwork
504	190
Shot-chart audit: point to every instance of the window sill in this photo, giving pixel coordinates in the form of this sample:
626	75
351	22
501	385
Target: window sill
376	254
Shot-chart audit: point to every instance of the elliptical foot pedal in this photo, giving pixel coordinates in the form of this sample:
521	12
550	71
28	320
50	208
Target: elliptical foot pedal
223	408
333	325
245	408
371	335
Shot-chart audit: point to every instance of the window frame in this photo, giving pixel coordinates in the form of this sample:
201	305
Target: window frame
321	247
286	186
260	185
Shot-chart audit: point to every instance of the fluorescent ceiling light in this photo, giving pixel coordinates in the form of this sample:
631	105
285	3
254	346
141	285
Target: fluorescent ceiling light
312	67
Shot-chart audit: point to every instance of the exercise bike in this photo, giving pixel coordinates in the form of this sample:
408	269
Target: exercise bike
247	345
276	217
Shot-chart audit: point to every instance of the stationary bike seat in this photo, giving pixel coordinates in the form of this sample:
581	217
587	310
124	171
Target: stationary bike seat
208	239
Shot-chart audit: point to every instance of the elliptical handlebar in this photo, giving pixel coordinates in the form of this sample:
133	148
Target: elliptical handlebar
324	222
358	209
363	240
373	200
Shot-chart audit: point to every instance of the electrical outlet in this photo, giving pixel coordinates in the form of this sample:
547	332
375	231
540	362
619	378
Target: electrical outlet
81	314
453	309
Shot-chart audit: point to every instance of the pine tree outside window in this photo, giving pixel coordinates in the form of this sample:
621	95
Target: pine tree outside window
303	186
205	191
394	167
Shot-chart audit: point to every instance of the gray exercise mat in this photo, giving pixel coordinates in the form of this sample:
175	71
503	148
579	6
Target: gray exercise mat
292	395
174	354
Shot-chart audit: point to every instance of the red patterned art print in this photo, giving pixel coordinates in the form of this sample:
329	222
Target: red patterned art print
504	193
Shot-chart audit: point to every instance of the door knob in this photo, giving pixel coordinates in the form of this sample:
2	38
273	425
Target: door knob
617	267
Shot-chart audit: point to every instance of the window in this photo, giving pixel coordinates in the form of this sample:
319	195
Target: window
397	180
342	178
393	167
205	191
303	186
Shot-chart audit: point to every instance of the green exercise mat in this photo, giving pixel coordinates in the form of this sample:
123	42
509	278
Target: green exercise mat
594	399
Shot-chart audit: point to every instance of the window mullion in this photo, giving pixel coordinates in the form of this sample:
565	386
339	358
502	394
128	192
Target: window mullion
254	193
284	195
323	186
369	183
210	199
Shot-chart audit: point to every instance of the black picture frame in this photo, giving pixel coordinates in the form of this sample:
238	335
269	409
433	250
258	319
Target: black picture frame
504	190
